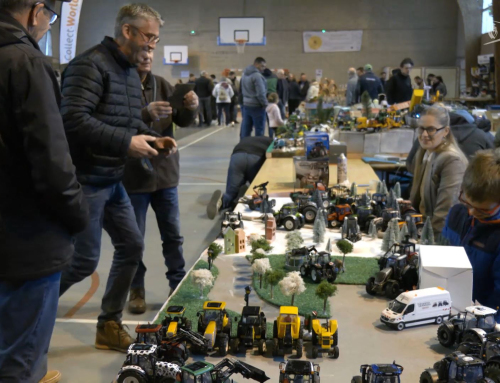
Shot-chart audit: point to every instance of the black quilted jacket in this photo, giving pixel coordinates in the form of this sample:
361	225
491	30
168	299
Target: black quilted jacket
101	109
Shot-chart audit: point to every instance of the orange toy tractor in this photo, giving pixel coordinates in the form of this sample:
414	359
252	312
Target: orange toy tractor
337	214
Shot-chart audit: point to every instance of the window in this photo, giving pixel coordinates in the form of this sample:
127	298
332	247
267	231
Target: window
409	309
488	24
45	44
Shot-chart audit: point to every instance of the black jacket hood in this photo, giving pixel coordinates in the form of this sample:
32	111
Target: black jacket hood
462	132
12	32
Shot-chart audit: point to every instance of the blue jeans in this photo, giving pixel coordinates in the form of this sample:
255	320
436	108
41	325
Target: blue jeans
223	106
28	314
110	208
243	168
165	203
253	116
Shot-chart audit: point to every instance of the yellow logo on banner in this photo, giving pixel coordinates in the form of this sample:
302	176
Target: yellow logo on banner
315	42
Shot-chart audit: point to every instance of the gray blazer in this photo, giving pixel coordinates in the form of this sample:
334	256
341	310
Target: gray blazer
442	186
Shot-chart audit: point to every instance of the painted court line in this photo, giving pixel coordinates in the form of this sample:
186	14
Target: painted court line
201	138
94	321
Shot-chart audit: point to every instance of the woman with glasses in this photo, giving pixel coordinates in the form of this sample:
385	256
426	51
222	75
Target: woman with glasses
438	168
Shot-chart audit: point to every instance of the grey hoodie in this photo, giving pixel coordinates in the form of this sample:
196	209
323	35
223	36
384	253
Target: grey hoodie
253	87
351	90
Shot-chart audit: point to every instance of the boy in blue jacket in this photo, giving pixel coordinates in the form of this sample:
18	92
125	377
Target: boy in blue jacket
475	225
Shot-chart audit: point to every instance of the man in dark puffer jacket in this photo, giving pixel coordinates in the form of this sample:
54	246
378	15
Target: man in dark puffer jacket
101	110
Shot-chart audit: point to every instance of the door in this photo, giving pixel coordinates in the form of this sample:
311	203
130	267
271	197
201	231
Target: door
409	313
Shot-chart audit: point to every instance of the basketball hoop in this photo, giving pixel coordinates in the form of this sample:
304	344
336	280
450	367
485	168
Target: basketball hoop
240	45
176	61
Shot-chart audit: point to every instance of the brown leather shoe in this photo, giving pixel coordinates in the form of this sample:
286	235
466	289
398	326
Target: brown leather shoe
51	377
137	302
113	337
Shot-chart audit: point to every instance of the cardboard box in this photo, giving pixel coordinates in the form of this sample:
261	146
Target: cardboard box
317	145
308	172
447	267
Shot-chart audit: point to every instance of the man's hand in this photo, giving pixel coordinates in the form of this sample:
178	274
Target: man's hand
191	101
166	145
140	148
159	109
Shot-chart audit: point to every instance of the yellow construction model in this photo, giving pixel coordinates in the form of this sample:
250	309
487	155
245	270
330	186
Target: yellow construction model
215	325
325	337
288	332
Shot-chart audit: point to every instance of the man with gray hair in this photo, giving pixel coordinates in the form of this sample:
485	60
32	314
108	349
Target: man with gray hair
282	90
351	87
102	113
41	205
203	88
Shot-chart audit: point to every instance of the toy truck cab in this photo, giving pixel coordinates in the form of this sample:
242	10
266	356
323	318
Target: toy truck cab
412	308
251	330
288	332
174	320
456	367
289	217
470	326
299	371
365	216
215	325
148	333
233	220
337	214
379	201
379	373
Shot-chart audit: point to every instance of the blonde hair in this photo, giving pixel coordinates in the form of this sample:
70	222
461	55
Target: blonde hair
131	12
273	98
482	177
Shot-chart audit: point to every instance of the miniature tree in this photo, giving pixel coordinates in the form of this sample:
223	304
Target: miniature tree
397	207
427	237
294	240
412	228
319	227
202	278
389	200
389	238
403	233
261	243
258	254
292	285
384	188
394	223
324	291
213	252
366	101
372	229
329	246
397	190
273	277
345	247
443	241
317	199
253	237
260	267
354	189
379	187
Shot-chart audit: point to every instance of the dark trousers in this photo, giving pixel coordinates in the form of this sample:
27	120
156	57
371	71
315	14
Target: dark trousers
233	109
205	111
110	208
272	132
28	314
243	168
293	105
253	116
281	106
165	204
223	106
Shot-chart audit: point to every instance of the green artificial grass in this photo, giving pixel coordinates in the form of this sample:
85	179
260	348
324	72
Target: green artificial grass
358	271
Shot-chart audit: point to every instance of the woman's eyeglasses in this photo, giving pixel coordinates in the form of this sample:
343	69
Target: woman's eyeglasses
431	131
54	15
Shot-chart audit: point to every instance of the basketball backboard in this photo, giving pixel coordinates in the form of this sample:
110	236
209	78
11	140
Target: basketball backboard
250	29
175	55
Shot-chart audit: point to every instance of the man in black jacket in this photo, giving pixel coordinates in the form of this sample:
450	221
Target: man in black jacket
158	186
304	86
41	203
102	113
398	89
282	90
370	83
203	88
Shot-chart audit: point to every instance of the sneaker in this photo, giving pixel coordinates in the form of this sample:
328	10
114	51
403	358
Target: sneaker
232	124
51	377
112	336
137	301
215	204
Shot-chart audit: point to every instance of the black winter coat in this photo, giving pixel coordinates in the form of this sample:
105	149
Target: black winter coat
203	87
282	89
41	203
165	172
398	89
294	91
102	111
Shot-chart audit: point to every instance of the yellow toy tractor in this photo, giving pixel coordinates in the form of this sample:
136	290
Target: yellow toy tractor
288	332
325	337
215	325
174	320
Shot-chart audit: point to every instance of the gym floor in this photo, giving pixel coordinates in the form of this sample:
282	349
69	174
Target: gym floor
205	157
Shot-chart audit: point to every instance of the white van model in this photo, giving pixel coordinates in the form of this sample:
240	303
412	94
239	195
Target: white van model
412	308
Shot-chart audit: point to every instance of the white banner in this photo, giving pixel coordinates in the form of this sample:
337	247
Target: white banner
70	17
340	41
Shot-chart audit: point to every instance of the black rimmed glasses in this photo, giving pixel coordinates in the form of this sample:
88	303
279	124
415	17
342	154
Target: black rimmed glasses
431	130
54	15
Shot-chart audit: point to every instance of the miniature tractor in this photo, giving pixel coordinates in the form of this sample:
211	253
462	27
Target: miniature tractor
325	337
260	199
174	320
456	367
320	266
251	330
489	351
379	202
379	373
205	372
148	334
387	215
233	220
296	371
471	326
398	271
288	332
319	150
365	216
289	217
350	229
337	214
215	325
